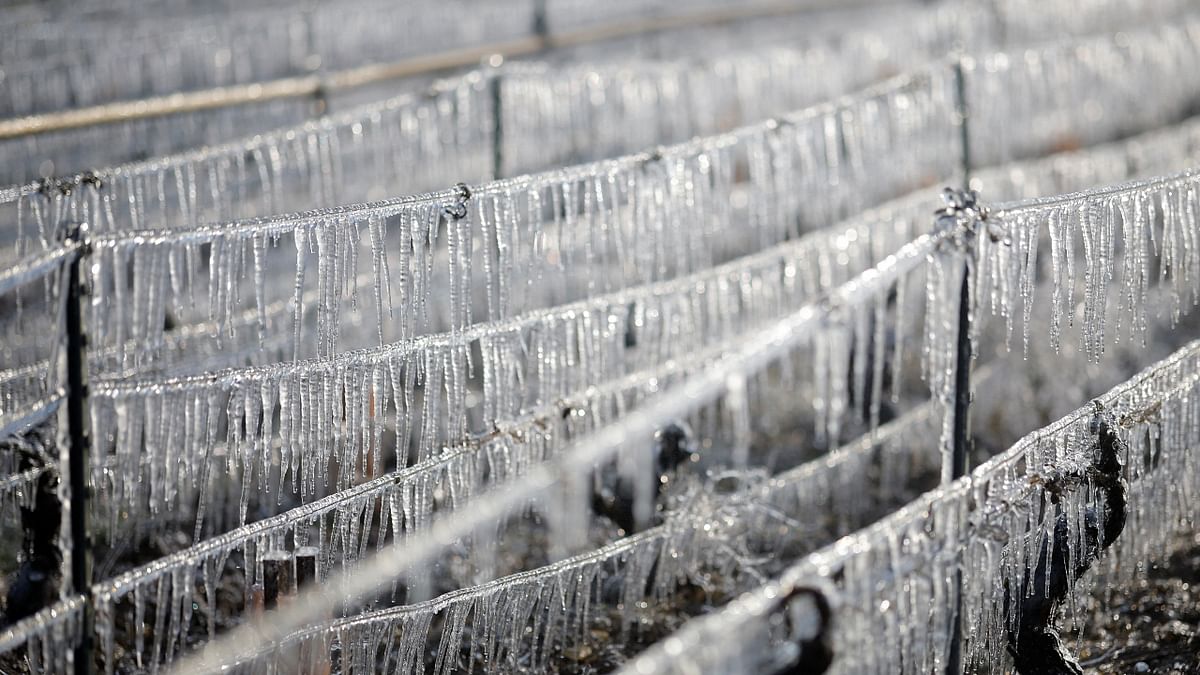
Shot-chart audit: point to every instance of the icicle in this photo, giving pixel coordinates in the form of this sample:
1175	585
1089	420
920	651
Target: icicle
738	406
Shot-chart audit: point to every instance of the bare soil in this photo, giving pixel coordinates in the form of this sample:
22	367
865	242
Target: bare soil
1153	627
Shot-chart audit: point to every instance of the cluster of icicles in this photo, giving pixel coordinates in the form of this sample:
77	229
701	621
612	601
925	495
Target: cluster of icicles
537	231
96	59
502	613
600	288
992	526
354	518
156	51
628	200
624	94
527	367
454	131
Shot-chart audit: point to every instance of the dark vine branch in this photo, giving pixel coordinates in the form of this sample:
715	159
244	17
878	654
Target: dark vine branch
1035	644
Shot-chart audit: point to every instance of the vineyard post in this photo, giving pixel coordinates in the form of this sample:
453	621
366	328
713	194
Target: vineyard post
541	28
962	366
497	123
79	436
962	362
311	62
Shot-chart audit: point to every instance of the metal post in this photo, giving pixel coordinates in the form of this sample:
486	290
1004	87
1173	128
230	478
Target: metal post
80	444
962	366
312	62
497	127
962	382
541	28
963	114
961	440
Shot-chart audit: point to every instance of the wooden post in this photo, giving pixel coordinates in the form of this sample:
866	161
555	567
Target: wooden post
314	654
279	577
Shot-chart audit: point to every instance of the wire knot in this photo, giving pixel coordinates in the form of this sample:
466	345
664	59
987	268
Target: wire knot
50	185
458	209
90	178
963	215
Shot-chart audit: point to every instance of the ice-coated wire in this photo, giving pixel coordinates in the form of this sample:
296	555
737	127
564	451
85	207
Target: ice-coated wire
66	152
1154	153
37	266
337	159
906	84
187	349
504	610
48	637
14	420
